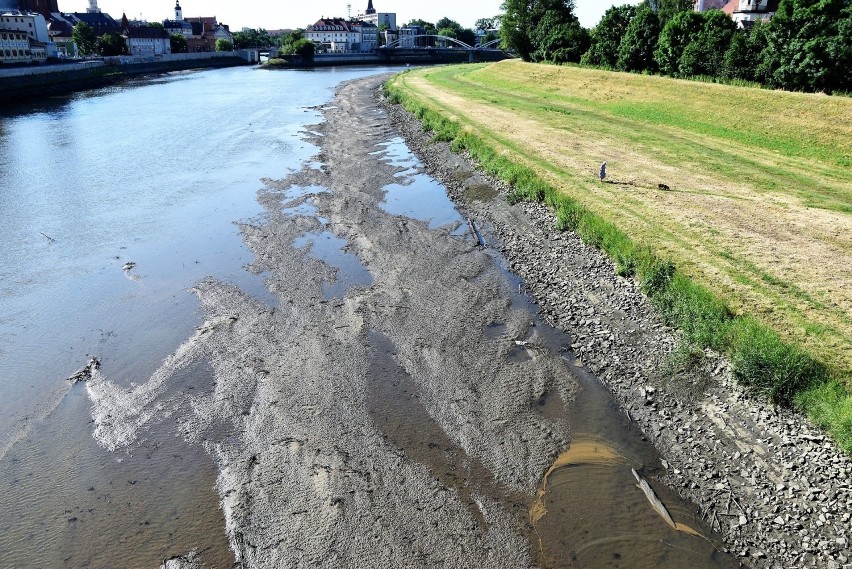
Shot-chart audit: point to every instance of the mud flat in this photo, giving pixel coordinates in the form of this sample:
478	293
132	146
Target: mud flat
775	487
397	404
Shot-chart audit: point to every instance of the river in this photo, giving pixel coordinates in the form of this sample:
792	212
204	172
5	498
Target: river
154	172
305	360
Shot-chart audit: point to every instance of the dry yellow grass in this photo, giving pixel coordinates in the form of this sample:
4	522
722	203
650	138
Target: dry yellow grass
760	207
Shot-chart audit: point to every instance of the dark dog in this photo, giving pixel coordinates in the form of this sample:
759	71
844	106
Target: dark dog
663	187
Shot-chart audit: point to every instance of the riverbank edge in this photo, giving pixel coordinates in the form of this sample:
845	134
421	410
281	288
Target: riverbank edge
770	482
44	85
780	370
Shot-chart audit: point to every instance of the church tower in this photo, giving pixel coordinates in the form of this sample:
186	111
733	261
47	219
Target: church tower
178	12
370	9
93	7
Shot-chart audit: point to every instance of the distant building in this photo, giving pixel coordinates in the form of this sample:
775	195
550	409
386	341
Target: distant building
24	37
369	32
147	40
14	45
43	7
206	30
704	5
746	12
178	25
332	35
100	22
382	20
201	33
337	35
743	12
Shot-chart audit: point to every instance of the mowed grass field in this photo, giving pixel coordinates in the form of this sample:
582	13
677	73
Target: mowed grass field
759	205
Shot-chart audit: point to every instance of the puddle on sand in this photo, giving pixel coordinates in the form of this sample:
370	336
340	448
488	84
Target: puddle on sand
329	248
417	195
425	199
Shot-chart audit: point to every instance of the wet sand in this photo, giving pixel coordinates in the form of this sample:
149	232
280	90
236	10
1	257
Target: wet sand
400	404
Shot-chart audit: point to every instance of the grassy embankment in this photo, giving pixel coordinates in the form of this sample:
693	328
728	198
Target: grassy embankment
749	251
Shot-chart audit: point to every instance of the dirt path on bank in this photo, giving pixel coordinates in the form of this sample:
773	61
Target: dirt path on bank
406	408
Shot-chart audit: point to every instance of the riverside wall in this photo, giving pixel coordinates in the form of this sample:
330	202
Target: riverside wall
40	81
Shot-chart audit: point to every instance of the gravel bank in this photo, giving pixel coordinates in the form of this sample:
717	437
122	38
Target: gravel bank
775	487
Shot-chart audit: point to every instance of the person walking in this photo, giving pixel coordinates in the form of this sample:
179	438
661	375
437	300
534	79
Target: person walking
602	173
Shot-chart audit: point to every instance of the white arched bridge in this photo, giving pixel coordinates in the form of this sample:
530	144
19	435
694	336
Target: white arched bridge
435	45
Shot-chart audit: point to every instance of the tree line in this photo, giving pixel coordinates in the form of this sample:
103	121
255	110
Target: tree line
806	46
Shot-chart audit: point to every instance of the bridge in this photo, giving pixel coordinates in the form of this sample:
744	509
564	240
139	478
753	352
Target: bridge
424	47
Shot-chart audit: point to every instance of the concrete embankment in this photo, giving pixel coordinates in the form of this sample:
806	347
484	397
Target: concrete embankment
35	82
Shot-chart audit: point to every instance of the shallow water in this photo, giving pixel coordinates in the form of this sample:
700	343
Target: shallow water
155	172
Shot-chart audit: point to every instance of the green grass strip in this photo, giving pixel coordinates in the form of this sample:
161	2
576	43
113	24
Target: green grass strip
767	366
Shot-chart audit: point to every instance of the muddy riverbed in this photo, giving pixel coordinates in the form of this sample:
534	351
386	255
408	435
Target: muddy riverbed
401	401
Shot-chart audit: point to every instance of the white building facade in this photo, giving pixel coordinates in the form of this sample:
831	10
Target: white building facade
382	20
334	35
14	47
147	41
24	38
749	11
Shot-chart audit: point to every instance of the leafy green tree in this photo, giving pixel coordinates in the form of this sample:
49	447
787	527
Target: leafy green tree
840	52
305	48
678	33
606	36
452	29
157	25
738	63
765	61
253	38
178	43
705	54
467	35
559	39
112	44
542	30
489	37
428	27
636	51
286	40
516	26
382	29
449	32
484	24
84	36
668	9
224	45
810	39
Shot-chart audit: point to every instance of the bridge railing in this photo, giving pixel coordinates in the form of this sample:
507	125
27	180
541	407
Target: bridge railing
409	39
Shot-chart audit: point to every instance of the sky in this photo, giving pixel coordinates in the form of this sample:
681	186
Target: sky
281	14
